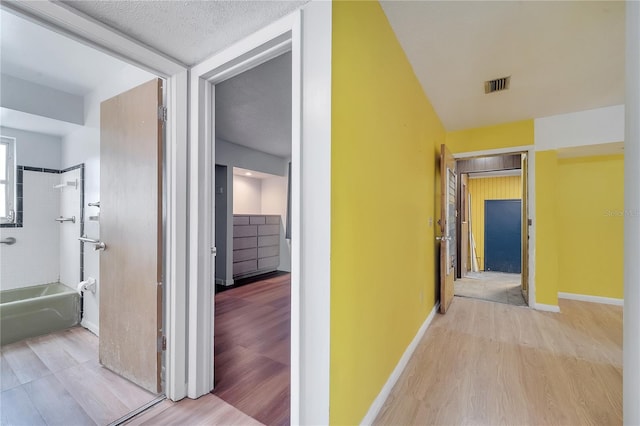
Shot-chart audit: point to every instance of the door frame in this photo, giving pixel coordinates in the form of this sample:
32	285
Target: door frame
308	30
75	25
531	203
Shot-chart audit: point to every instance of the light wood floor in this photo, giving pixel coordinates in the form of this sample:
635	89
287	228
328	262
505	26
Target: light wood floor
492	286
252	348
206	410
56	380
487	363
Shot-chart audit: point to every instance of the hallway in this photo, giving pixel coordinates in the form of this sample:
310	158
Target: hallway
489	363
491	286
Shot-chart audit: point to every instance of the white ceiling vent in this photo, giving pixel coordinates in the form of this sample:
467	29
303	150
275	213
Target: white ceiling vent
497	85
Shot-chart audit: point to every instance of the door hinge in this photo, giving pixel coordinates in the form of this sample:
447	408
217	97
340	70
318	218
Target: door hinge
162	343
162	113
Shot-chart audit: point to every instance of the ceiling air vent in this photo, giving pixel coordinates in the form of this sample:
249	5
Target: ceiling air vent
497	85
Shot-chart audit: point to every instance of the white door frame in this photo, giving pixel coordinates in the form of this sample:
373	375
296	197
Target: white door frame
62	19
309	31
531	204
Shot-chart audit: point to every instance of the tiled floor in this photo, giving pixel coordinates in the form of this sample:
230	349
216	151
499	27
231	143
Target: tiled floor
492	286
56	380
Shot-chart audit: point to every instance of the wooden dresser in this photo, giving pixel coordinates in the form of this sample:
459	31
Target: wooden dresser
256	244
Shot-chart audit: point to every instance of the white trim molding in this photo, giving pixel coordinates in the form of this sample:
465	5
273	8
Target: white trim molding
377	404
307	34
546	308
592	299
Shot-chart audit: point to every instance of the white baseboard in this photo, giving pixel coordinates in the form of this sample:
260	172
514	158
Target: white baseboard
91	327
593	299
224	282
547	308
377	404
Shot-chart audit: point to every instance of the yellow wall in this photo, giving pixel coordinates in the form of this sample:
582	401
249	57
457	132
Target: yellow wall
546	278
508	135
489	188
384	131
591	225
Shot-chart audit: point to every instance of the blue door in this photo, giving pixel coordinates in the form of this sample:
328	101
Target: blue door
502	235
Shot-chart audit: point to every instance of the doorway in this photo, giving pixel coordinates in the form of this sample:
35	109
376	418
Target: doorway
53	374
492	259
252	301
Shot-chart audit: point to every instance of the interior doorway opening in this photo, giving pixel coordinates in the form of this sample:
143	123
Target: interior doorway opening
492	229
252	302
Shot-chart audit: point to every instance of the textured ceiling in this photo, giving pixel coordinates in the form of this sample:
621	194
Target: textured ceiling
189	31
253	109
562	56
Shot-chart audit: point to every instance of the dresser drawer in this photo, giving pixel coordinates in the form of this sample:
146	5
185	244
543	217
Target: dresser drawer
244	267
268	251
245	230
268	240
257	220
268	262
272	220
268	230
246	254
246	242
240	220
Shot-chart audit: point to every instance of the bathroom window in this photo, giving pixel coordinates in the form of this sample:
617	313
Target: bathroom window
7	181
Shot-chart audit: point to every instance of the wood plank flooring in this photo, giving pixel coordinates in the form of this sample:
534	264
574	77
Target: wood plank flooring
206	410
487	363
56	380
252	349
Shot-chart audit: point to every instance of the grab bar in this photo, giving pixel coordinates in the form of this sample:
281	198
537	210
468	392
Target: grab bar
97	244
8	241
61	219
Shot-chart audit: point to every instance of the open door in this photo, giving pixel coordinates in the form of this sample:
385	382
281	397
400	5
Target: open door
525	228
131	228
448	185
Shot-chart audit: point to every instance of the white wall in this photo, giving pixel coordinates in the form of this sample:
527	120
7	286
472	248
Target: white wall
274	201
69	250
247	195
591	127
83	146
230	154
35	149
32	98
33	259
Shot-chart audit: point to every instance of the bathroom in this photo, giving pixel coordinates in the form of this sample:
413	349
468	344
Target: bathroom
50	162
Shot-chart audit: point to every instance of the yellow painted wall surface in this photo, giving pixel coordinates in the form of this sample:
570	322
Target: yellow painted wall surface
546	278
517	133
384	131
489	188
591	225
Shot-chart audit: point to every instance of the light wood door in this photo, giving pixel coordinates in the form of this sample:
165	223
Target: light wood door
448	182
525	228
131	228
